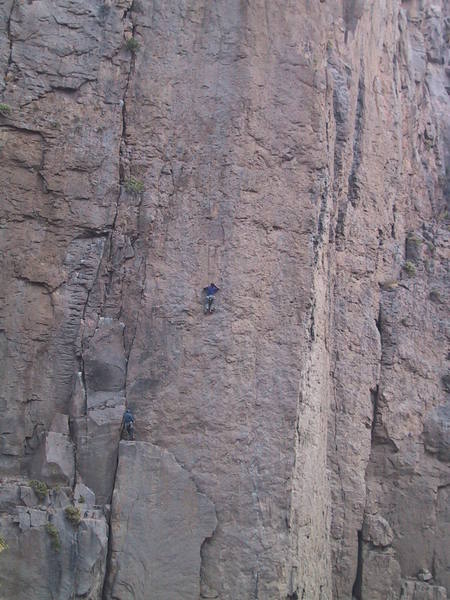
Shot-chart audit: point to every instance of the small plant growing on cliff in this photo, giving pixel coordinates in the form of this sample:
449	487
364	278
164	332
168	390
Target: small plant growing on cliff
3	544
5	109
54	536
73	515
133	45
409	268
134	186
39	488
81	499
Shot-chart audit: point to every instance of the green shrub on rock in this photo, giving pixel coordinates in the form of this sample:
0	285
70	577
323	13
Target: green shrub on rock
73	515
39	488
133	185
132	45
54	536
5	109
409	268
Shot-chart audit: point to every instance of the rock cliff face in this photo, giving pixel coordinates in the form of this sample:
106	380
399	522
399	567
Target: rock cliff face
294	444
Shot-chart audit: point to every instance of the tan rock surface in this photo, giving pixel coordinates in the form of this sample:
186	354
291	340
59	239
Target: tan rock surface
298	155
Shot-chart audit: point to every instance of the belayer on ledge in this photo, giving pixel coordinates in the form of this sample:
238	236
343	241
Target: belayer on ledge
210	292
128	424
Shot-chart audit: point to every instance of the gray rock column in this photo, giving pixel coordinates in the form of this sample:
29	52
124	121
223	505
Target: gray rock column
158	524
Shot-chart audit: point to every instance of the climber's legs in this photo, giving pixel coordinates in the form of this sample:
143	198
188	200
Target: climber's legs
208	306
130	431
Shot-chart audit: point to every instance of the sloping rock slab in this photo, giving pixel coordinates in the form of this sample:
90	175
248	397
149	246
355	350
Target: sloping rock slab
158	524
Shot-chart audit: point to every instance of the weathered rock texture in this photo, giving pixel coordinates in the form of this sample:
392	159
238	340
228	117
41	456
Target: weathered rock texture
48	555
158	523
297	154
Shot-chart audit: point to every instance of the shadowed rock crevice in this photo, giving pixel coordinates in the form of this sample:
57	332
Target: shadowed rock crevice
106	574
356	591
353	181
374	399
10	38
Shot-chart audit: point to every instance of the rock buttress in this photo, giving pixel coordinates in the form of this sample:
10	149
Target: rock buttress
159	521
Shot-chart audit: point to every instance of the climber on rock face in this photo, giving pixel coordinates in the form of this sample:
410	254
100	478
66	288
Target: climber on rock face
128	423
210	291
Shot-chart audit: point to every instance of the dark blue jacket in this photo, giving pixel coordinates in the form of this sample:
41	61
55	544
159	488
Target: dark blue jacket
128	418
211	290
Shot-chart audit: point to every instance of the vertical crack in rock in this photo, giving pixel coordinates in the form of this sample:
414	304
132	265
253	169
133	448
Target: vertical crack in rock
354	184
110	539
122	149
375	391
357	585
322	218
81	365
8	33
339	75
374	398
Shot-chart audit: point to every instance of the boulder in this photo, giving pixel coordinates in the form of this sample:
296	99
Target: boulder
377	531
54	461
58	462
159	522
92	550
381	577
97	436
424	575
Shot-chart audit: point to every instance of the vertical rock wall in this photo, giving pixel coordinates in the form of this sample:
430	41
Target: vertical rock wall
295	154
391	257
